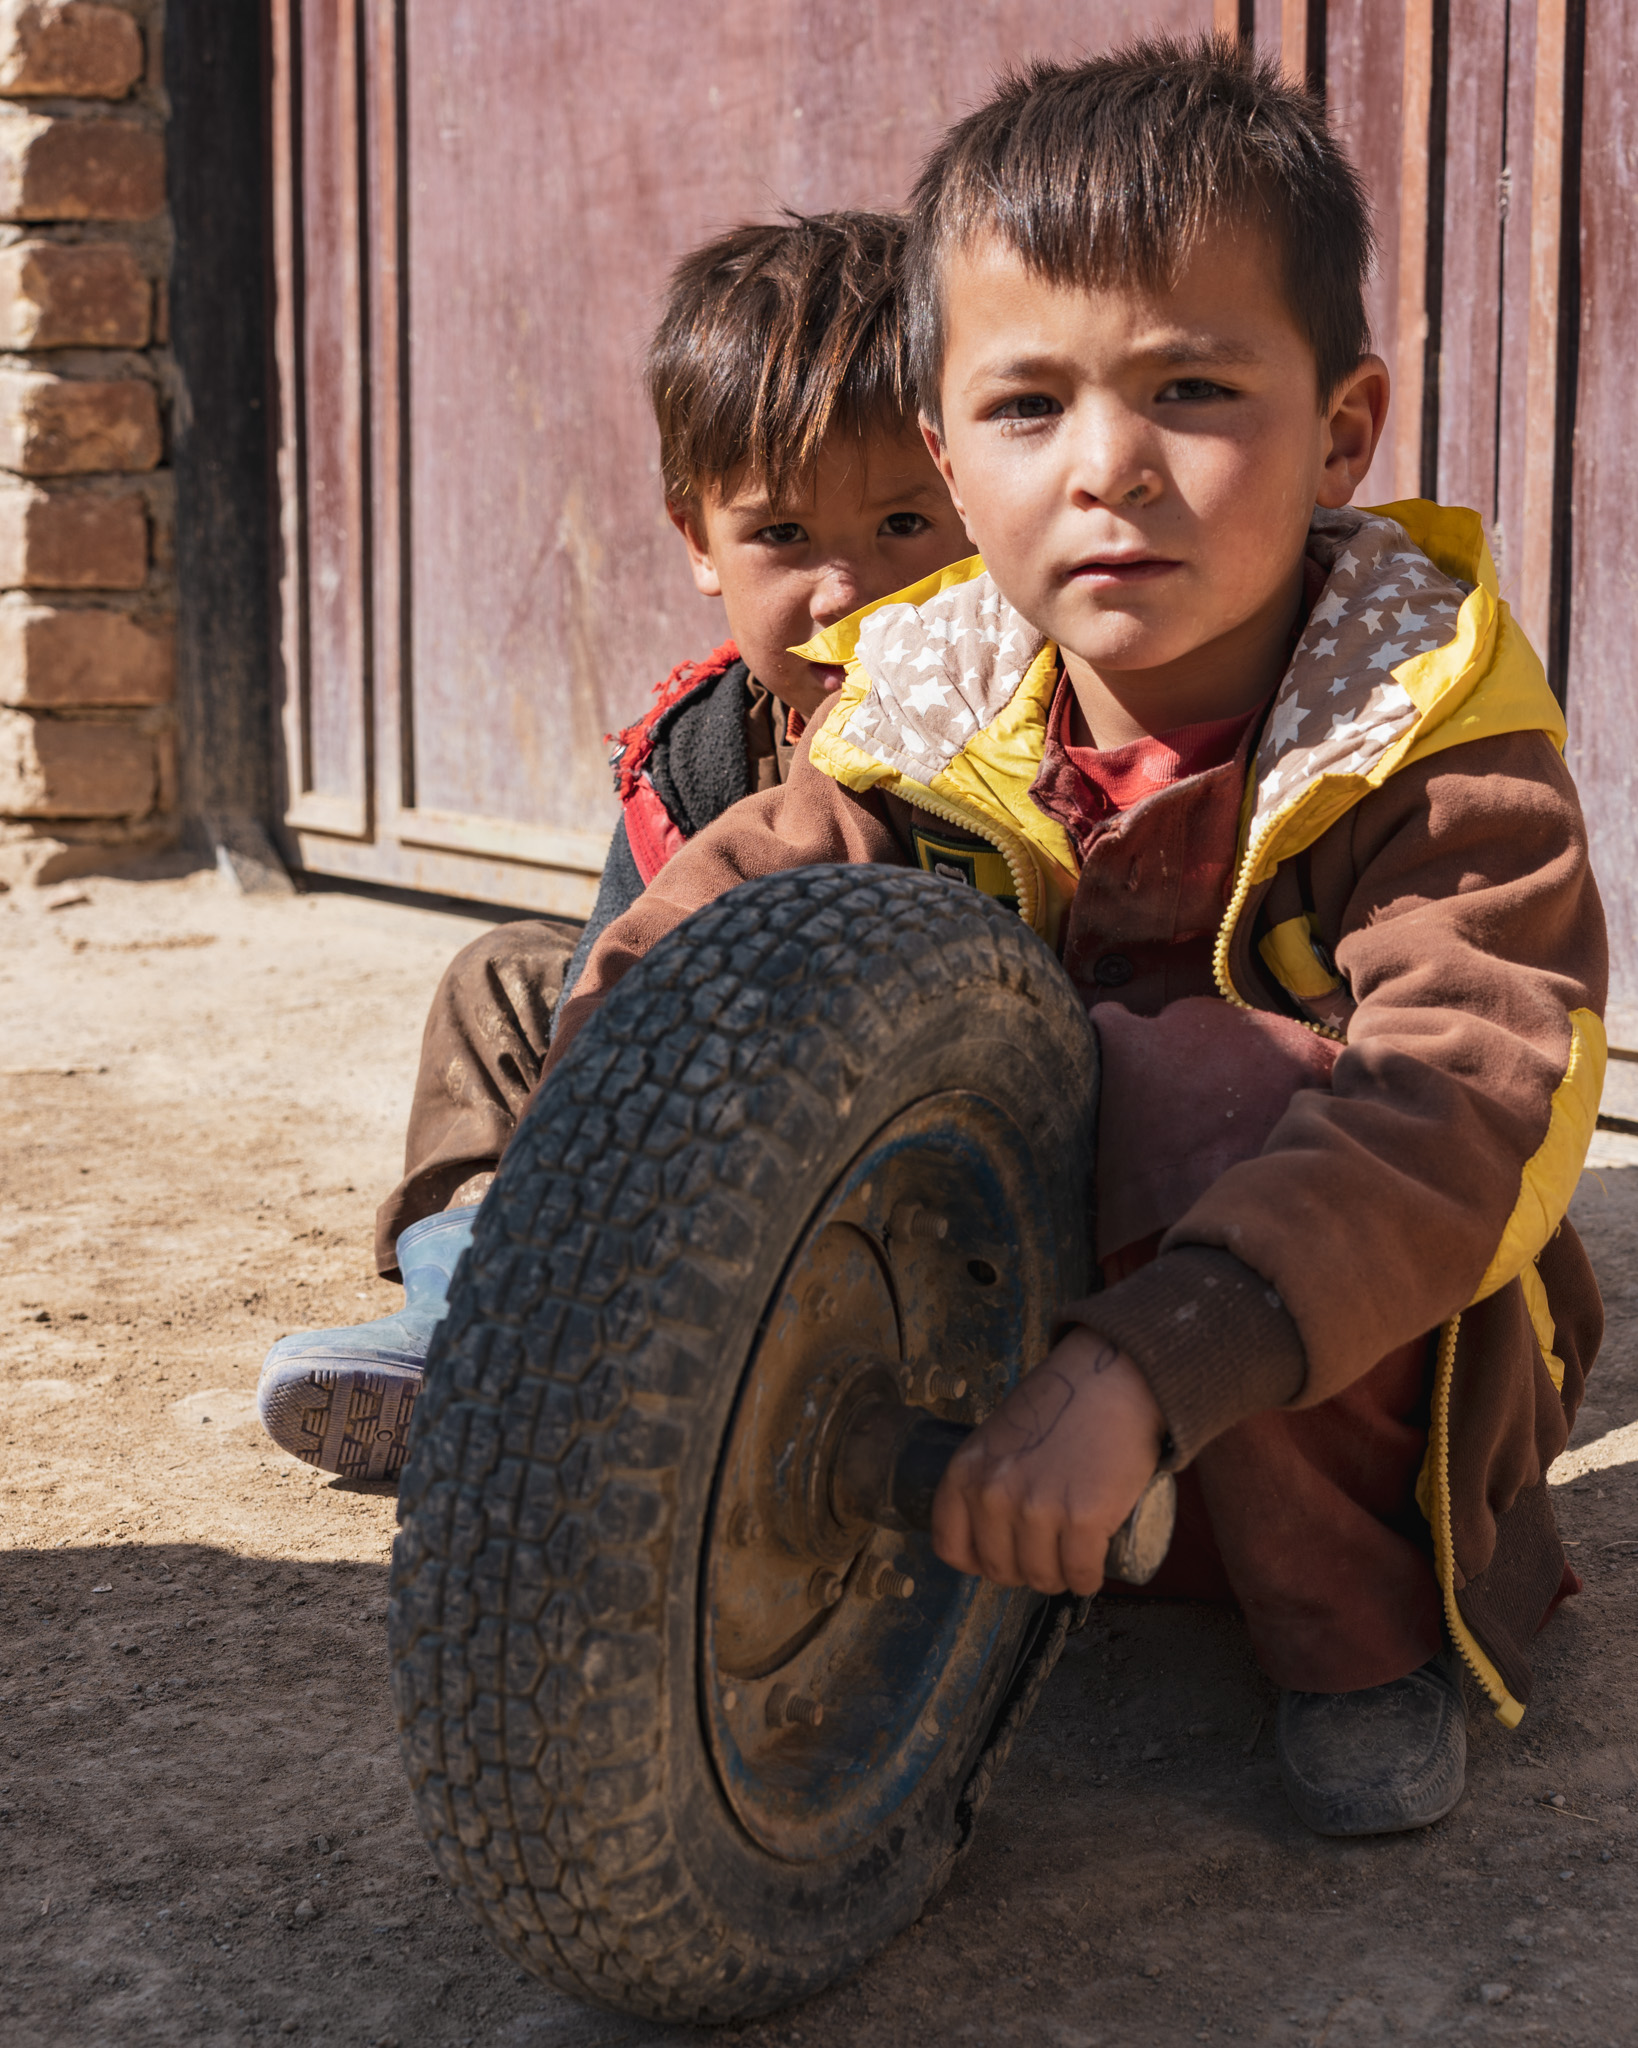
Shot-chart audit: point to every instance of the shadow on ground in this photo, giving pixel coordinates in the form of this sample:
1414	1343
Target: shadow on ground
208	1838
204	1828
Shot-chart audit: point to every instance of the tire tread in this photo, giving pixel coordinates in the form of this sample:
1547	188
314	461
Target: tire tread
526	1612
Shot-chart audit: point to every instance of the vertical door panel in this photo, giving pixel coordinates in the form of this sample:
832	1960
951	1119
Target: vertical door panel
336	678
1471	298
1507	527
1364	82
1486	296
1603	588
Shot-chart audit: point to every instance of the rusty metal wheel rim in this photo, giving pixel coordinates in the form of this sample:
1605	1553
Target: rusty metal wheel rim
828	1692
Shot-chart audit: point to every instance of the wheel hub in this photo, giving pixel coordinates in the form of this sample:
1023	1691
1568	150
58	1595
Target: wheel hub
840	1659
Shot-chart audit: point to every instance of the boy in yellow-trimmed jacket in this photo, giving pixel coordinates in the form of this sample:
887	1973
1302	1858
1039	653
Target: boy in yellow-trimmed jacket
1280	781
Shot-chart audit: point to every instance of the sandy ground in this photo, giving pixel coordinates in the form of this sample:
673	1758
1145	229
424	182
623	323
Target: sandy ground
204	1832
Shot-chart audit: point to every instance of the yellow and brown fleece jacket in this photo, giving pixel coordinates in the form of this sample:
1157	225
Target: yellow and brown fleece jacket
1412	881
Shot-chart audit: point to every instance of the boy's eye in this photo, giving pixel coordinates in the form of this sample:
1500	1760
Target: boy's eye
1192	390
905	525
1033	405
784	535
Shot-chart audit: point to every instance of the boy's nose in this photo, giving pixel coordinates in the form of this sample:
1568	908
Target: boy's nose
836	593
1112	465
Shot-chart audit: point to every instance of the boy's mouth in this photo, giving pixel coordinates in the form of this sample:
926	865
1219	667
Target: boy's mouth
828	676
1121	571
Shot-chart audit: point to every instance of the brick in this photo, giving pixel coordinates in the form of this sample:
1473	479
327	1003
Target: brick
54	296
68	47
72	540
53	169
59	851
74	768
52	659
64	426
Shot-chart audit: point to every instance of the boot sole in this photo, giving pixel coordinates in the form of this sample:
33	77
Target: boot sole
1379	1815
350	1422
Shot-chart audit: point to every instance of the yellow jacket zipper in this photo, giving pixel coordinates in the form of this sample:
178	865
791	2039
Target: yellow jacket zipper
1220	954
1508	1710
1225	934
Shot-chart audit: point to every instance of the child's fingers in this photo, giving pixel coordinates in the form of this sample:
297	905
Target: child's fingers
973	1518
1060	1548
998	1520
1082	1548
993	1520
1039	1541
1034	1495
953	1530
1038	1532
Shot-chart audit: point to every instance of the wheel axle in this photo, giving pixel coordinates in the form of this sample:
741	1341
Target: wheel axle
889	1459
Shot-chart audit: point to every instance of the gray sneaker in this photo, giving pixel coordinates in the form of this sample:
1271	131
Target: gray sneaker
342	1399
1379	1761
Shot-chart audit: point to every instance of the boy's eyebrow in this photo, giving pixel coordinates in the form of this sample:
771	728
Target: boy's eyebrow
1202	348
1216	351
768	514
919	489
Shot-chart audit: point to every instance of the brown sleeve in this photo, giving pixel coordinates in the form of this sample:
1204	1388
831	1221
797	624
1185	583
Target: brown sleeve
1200	1327
808	819
1462	912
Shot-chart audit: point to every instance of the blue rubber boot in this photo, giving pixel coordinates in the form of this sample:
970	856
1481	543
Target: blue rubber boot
342	1399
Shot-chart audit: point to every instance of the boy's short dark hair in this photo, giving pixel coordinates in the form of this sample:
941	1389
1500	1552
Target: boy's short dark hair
773	337
1110	171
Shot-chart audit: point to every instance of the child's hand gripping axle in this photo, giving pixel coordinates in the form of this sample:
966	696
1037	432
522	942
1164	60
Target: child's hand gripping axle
1043	1493
1057	1490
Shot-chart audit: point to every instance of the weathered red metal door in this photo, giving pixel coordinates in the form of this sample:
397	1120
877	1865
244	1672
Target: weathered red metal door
478	203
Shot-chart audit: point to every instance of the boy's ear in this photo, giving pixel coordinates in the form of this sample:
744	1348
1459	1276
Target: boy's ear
689	521
931	434
1355	415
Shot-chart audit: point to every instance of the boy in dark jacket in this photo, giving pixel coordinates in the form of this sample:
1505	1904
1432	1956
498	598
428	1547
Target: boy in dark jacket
1281	782
795	475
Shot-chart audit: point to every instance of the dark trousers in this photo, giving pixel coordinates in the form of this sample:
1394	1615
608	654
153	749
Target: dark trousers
1305	1517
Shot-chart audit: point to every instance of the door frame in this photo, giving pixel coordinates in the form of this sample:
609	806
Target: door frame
376	831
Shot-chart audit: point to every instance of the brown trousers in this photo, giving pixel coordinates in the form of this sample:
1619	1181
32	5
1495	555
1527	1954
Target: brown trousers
1304	1517
481	1055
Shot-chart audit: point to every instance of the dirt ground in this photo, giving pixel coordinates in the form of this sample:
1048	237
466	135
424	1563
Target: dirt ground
204	1832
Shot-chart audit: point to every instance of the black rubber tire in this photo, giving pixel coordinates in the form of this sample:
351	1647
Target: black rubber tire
546	1570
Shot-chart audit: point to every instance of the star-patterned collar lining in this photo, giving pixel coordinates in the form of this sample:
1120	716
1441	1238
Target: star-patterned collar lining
1383	603
940	672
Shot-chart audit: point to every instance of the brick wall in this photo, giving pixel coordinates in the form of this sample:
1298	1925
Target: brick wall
87	601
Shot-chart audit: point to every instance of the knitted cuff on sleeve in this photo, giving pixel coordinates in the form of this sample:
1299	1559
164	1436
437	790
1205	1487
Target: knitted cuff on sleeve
1212	1338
